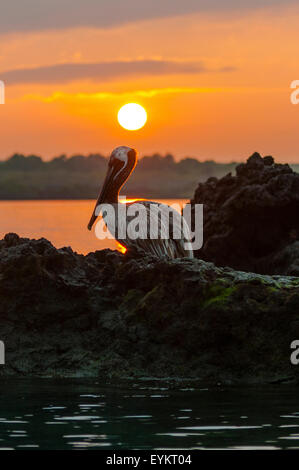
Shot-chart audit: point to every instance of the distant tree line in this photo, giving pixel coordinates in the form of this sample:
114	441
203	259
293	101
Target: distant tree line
79	176
93	162
20	162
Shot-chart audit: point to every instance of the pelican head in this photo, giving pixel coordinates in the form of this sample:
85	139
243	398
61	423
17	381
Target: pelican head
121	164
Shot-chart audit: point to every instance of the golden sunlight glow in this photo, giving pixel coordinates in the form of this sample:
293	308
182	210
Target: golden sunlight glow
132	116
121	248
129	201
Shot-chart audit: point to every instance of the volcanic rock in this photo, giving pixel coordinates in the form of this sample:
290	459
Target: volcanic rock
114	316
251	220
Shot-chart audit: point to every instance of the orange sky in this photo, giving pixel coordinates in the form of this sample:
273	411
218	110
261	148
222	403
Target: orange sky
216	85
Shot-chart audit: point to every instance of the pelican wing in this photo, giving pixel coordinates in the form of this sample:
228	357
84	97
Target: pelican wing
162	230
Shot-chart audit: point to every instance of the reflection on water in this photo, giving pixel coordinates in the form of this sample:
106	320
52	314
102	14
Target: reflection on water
64	223
86	413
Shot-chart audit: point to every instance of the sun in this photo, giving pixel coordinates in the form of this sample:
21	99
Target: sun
132	116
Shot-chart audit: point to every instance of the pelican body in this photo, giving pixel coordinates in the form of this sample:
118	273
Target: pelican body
120	166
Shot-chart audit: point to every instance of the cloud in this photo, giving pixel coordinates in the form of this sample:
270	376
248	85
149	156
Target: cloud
35	15
150	93
102	71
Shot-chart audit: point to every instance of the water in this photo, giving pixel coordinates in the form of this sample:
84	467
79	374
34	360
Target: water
64	223
89	414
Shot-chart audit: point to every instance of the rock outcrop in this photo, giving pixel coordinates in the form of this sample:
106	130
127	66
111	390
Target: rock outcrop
109	315
251	220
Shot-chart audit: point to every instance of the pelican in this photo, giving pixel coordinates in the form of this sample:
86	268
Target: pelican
120	166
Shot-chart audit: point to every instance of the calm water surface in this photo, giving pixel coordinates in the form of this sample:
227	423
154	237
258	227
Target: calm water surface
64	223
88	414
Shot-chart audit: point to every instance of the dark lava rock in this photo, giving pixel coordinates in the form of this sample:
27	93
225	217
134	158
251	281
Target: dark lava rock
109	315
251	220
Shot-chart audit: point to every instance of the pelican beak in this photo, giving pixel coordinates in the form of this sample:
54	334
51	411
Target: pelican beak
103	194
